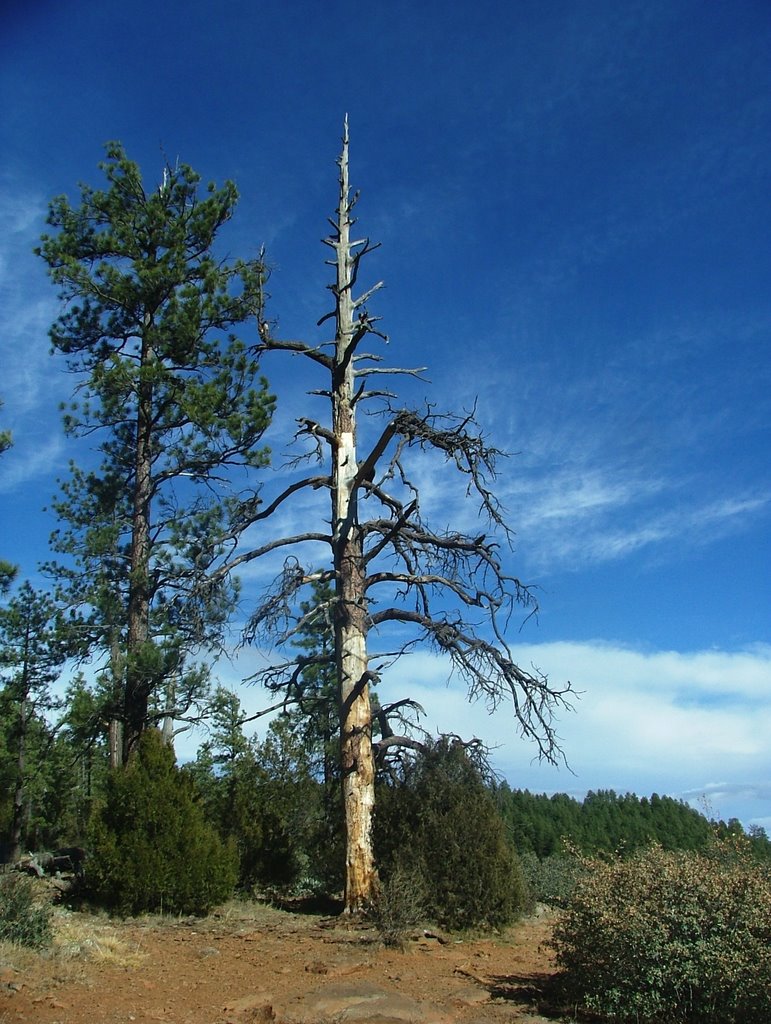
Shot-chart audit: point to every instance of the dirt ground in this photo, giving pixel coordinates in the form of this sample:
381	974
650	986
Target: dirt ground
253	964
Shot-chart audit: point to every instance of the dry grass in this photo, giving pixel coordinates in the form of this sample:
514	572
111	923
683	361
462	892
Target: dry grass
95	938
77	939
82	938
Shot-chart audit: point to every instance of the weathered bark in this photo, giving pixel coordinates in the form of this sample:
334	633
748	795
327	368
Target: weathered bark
138	686
351	616
167	724
115	724
22	727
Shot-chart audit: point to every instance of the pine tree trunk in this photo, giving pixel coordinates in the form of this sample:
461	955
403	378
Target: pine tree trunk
115	725
115	742
17	819
138	685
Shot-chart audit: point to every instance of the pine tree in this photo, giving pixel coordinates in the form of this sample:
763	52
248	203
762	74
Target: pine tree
32	651
180	410
442	826
151	849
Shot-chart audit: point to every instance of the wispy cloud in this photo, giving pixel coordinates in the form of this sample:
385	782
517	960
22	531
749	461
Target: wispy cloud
26	463
565	530
647	444
33	383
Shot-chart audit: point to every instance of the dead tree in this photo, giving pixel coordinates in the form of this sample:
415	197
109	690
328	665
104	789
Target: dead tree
452	589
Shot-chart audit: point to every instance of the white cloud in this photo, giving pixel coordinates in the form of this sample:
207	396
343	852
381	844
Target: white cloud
631	730
33	383
31	460
667	722
561	528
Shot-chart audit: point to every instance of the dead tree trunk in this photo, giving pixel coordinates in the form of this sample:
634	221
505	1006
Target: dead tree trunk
448	589
351	617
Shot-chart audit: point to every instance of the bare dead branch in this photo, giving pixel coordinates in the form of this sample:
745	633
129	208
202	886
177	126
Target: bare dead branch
368	294
300	348
491	674
388	742
468	450
414	371
479	599
274	545
389	530
308	426
314	482
275	619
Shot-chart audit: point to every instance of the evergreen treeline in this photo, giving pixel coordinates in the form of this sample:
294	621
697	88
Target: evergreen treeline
606	822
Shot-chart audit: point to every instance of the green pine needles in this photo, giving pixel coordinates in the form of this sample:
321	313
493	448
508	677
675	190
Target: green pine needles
174	402
150	846
441	827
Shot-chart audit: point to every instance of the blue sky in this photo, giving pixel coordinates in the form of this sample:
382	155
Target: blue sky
572	201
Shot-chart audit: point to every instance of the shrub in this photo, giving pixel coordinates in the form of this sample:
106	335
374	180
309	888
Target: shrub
285	824
675	937
24	919
150	847
398	906
442	826
552	880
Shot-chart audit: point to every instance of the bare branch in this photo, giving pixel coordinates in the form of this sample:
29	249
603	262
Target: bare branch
314	482
300	348
308	426
389	530
468	451
395	371
491	674
280	706
476	600
368	294
274	545
272	617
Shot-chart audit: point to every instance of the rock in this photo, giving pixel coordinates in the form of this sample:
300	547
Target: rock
358	1003
255	1008
7	976
470	996
253	1001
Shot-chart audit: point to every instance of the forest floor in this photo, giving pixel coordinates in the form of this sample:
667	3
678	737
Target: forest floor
249	963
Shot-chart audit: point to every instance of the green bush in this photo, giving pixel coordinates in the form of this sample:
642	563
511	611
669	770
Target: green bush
442	826
552	880
24	919
150	847
670	937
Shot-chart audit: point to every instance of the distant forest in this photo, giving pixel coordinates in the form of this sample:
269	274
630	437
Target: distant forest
609	822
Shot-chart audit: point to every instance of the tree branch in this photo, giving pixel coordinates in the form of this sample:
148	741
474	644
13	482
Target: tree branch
490	673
